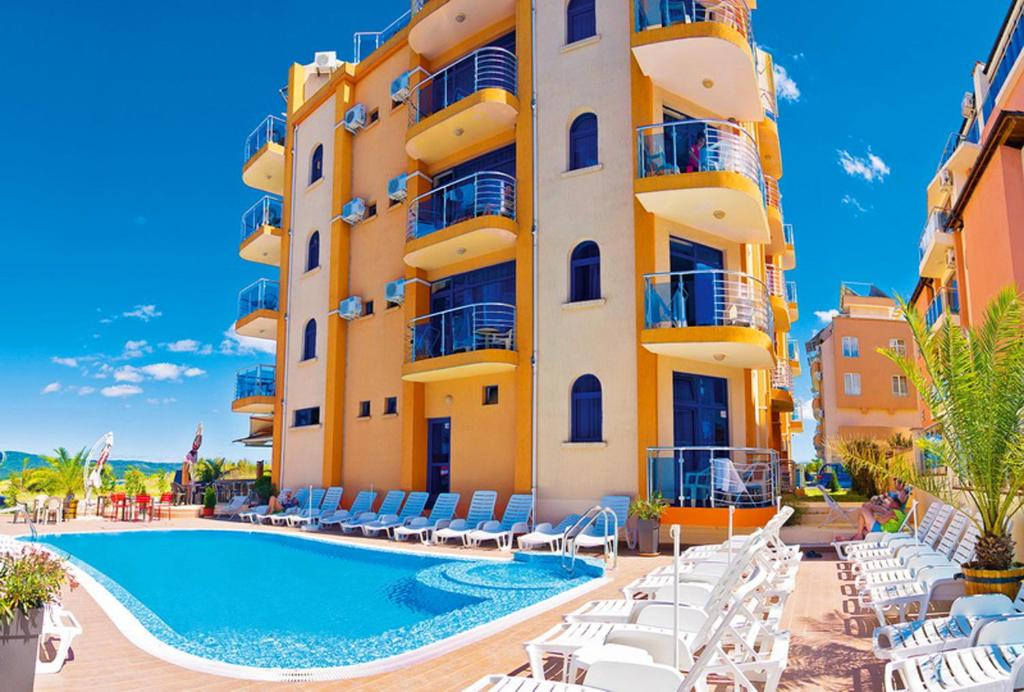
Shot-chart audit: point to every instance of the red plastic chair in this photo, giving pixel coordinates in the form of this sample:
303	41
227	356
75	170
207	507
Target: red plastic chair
118	504
163	506
143	505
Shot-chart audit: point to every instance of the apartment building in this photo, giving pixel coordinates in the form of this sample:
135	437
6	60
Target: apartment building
527	252
859	392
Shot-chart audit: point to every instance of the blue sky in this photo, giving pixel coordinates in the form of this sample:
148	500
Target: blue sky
124	125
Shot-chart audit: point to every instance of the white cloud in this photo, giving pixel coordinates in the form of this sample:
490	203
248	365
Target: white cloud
136	349
50	388
853	202
826	315
143	312
205	350
785	86
170	371
70	362
157	402
84	391
127	373
194	372
121	390
871	167
237	345
106	320
183	346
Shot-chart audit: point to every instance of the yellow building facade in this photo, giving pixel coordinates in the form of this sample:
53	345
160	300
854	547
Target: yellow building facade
521	249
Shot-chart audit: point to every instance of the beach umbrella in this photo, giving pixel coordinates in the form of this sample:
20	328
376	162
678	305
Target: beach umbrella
192	456
95	461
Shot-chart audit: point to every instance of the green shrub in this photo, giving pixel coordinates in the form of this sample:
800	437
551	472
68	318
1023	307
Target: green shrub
209	497
264	488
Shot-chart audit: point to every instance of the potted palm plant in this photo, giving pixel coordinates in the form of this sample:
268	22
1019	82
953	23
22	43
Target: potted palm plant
648	522
28	581
209	501
972	381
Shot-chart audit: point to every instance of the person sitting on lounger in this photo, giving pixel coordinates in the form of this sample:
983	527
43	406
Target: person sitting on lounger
900	492
276	504
880	513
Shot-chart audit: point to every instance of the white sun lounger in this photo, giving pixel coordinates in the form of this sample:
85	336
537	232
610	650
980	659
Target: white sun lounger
481	509
301	495
935	583
879	539
904	551
238	504
423	527
854	554
962	551
546	535
253	514
307	505
61	625
330	503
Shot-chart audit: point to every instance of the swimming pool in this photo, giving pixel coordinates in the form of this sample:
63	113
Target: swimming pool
276	606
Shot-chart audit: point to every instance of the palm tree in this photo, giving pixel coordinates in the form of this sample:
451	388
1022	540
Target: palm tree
63	473
972	381
211	470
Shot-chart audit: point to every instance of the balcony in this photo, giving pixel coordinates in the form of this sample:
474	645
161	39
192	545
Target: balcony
439	27
782	387
469	102
367	42
462	220
946	303
714	477
768	128
264	156
796	418
793	354
791	300
936	245
466	341
705	174
261	232
714	43
773	205
258	310
776	283
712	316
789	247
254	390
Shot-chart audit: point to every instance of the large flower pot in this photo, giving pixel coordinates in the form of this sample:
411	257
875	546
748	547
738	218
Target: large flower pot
207	511
1004	581
647	536
19	650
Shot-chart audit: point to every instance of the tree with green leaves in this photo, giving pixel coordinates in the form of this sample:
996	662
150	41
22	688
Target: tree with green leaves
62	474
211	470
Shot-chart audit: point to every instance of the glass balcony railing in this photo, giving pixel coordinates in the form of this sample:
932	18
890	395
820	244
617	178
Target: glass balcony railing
259	295
266	212
272	129
706	298
1014	45
713	476
655	14
782	376
254	381
946	300
696	146
955	139
475	327
787	234
364	43
486	68
936	223
488	193
791	292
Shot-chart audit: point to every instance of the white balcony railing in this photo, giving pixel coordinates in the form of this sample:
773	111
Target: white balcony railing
714	476
706	298
466	328
490	67
775	279
782	376
488	193
772	196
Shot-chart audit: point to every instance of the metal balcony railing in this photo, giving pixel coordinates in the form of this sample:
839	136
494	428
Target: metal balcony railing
782	376
254	381
488	193
946	300
791	292
792	349
937	222
365	42
259	295
772	196
706	298
775	280
266	212
714	476
787	234
485	68
955	139
272	129
655	14
694	146
457	330
1014	44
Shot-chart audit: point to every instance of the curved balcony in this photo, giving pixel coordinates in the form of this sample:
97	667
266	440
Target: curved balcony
775	280
711	316
714	40
796	418
768	128
467	218
791	301
259	310
936	245
264	156
254	390
466	103
773	206
439	27
470	340
782	387
793	354
705	174
945	305
261	232
788	253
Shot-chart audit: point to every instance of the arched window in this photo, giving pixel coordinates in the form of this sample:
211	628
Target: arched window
309	340
583	142
316	164
585	272
585	410
313	251
580	20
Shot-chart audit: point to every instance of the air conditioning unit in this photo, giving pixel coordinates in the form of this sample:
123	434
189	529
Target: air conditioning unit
950	258
351	308
946	179
400	87
325	62
396	187
967	105
355	118
394	291
354	211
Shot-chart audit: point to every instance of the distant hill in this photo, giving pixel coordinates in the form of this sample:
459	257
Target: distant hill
13	460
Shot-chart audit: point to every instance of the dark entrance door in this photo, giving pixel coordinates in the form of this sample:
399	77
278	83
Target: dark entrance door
439	456
700	419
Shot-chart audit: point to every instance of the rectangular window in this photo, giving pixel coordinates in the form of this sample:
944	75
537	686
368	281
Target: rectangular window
900	387
851	347
851	383
490	394
898	346
390	405
364	409
367	308
374	116
371	210
307	416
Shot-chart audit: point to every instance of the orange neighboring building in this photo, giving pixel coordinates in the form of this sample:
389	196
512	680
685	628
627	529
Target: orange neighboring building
858	392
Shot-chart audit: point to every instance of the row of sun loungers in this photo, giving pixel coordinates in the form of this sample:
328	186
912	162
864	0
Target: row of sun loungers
978	646
730	602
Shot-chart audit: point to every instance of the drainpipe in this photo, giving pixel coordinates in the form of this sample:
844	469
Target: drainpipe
536	254
285	316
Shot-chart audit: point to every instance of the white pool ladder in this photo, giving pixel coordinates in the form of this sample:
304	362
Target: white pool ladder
582	524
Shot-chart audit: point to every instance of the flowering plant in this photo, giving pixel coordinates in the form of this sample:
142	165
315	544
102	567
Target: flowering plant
30	579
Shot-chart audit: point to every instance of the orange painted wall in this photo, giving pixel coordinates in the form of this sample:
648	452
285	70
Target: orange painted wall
876	371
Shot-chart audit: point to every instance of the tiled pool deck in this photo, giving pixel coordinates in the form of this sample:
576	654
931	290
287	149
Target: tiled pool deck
831	645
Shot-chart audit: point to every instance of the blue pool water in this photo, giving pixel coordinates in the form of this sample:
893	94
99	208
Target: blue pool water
273	600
